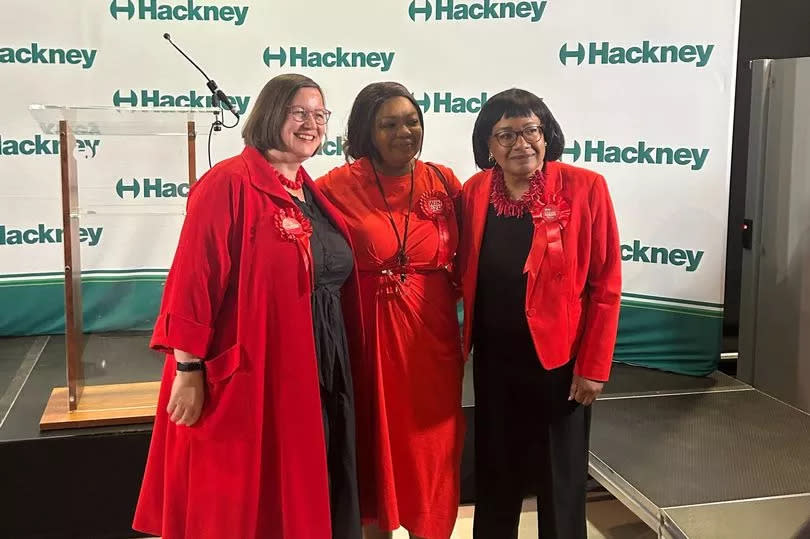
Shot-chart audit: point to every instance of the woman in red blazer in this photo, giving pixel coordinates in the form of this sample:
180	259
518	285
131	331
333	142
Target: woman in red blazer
540	265
254	432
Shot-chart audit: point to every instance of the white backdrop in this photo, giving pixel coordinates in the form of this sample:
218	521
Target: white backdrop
643	90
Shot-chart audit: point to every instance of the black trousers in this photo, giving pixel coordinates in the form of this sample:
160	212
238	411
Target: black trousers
529	440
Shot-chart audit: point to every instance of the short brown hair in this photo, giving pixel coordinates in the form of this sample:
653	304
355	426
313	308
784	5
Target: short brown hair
262	130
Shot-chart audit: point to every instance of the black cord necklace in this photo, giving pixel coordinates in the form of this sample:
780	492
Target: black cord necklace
402	242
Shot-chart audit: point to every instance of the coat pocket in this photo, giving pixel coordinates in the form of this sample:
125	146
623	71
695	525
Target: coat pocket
228	411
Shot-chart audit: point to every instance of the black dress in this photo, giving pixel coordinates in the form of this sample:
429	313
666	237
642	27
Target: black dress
529	438
333	262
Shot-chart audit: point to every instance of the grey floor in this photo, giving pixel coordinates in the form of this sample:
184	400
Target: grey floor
607	519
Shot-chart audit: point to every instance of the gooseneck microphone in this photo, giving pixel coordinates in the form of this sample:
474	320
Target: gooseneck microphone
219	94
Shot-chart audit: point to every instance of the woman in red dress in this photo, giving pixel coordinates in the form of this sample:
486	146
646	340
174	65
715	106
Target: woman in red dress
254	432
400	215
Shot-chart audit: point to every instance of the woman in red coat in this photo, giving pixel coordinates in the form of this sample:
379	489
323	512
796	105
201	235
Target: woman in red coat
542	285
400	214
254	434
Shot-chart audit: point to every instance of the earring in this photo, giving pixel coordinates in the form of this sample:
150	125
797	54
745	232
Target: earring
545	144
491	158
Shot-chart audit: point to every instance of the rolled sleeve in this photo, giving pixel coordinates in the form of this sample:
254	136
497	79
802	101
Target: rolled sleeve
200	272
173	331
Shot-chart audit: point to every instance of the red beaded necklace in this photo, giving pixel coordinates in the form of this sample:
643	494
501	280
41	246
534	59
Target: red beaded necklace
295	184
506	206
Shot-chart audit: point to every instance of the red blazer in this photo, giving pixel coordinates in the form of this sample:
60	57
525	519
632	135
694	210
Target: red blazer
574	283
238	296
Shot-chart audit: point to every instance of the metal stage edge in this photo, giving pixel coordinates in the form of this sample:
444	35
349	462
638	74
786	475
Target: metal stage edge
782	515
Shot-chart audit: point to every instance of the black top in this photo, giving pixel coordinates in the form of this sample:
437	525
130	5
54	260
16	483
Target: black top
500	298
333	262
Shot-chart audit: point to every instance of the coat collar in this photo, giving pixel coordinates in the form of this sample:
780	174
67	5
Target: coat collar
480	197
264	177
552	177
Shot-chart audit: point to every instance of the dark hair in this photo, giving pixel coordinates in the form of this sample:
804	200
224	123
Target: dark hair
359	140
263	127
514	103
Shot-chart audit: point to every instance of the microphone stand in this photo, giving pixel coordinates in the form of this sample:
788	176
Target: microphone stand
217	125
218	99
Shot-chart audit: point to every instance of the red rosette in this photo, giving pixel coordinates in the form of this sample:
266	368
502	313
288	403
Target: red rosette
550	214
437	207
552	209
292	224
434	205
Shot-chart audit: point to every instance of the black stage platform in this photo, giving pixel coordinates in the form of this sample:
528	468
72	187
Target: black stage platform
693	457
702	457
78	483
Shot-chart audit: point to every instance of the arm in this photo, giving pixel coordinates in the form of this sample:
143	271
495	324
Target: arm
194	291
200	271
603	289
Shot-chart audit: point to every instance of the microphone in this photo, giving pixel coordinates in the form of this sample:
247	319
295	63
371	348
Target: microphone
219	94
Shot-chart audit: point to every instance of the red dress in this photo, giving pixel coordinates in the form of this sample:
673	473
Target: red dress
410	378
238	295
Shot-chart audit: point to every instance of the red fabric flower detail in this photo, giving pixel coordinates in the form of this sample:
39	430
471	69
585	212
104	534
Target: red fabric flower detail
434	205
292	224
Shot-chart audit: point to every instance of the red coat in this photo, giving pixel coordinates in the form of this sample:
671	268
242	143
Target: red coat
238	295
573	288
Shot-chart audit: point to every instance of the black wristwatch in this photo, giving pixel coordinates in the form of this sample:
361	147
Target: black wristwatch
190	366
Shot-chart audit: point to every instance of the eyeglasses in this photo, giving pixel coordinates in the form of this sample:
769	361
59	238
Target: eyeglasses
300	114
508	137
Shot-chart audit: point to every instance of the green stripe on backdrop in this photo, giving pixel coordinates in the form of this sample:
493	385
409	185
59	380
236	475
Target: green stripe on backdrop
658	337
110	304
673	300
676	338
672	308
61	275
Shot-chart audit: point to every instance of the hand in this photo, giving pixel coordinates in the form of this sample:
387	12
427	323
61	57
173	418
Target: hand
584	391
186	399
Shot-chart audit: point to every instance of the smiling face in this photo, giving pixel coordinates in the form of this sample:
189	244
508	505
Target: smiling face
302	137
397	134
524	157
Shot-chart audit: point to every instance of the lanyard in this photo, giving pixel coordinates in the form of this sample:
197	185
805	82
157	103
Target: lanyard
402	242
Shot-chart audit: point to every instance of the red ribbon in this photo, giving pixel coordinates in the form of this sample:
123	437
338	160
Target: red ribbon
293	226
437	207
550	215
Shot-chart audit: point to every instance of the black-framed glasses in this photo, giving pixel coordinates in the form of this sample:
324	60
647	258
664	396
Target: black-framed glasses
319	116
508	137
